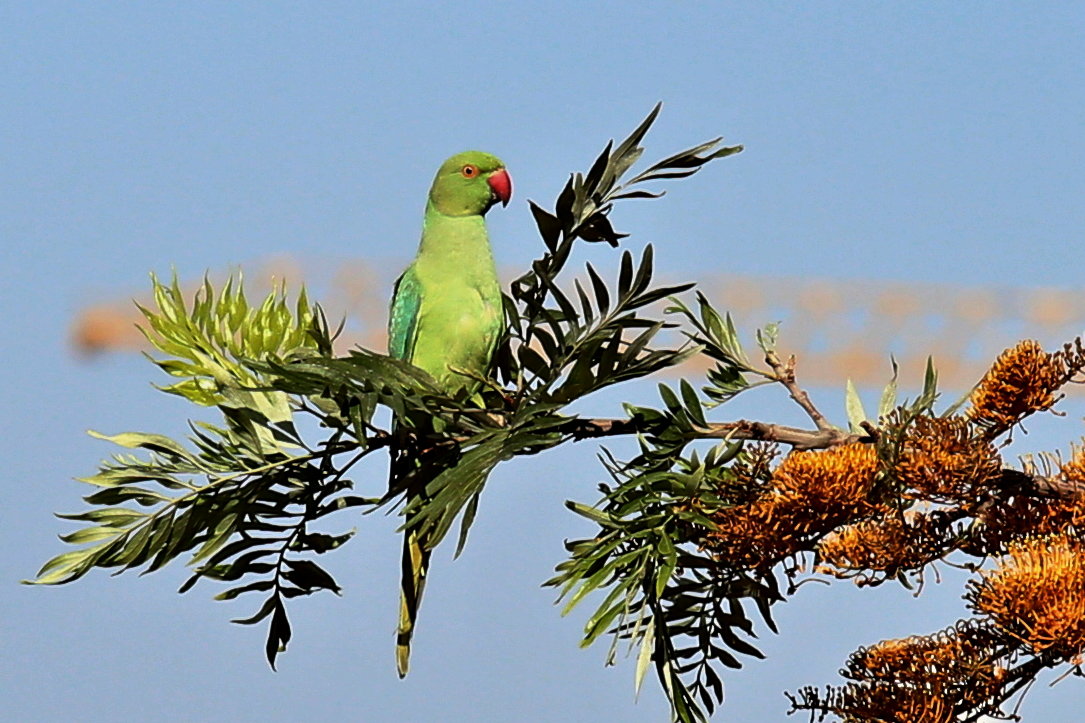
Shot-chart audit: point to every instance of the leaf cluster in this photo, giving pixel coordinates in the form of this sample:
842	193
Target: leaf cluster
684	613
245	499
238	499
565	344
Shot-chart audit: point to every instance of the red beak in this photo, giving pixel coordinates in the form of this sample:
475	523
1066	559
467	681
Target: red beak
501	184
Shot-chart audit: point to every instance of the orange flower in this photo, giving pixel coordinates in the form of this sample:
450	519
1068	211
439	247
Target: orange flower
831	479
1023	514
1036	594
810	493
882	545
923	678
956	654
1074	470
1022	380
941	460
894	704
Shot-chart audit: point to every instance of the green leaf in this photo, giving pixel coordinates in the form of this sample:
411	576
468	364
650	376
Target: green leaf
61	568
465	523
631	143
670	399
90	534
320	543
258	586
767	337
152	442
591	513
926	400
266	609
278	633
595	174
116	517
602	296
889	394
307	575
644	657
692	404
854	406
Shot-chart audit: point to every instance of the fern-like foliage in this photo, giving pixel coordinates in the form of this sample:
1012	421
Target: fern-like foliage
237	498
699	533
244	500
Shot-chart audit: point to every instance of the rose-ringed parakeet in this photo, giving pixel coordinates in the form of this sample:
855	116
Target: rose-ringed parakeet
446	318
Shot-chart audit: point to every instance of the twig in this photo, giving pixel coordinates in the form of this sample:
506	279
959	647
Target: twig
785	374
580	429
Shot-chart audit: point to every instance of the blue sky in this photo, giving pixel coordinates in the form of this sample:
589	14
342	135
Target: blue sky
901	141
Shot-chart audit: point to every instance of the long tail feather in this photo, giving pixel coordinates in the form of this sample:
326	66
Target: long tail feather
412	583
404	478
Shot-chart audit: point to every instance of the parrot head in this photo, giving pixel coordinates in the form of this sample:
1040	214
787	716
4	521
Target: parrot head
469	183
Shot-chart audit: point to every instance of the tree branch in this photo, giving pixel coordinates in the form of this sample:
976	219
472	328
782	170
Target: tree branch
1054	485
798	438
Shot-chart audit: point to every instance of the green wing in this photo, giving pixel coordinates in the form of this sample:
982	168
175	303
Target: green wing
403	319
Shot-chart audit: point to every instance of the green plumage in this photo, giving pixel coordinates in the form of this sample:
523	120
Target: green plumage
446	318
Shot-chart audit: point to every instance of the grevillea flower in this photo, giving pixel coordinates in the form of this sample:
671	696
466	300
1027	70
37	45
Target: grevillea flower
942	460
810	493
884	545
952	655
929	678
1027	512
1022	380
1036	594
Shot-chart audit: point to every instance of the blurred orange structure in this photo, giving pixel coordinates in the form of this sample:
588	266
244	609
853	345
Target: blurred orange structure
837	329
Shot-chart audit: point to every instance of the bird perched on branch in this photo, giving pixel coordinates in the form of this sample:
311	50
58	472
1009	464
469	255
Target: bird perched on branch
446	318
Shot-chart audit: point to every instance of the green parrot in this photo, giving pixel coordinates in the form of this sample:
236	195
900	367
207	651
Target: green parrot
446	315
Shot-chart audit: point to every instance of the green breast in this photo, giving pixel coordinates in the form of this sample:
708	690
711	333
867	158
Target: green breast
460	317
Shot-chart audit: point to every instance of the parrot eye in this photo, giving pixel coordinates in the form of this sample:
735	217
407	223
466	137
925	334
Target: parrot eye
469	171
